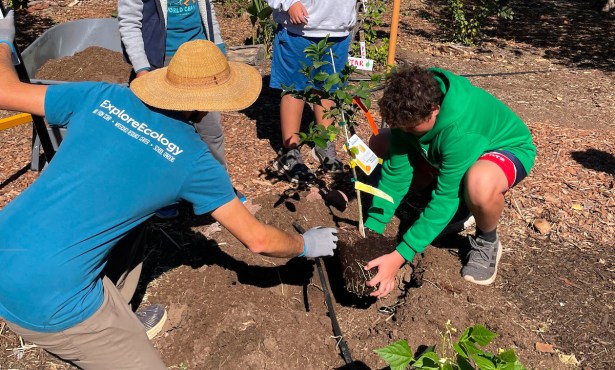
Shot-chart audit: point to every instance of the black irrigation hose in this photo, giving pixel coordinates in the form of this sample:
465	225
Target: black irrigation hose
336	326
40	127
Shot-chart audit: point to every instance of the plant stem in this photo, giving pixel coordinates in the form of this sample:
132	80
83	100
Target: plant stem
354	171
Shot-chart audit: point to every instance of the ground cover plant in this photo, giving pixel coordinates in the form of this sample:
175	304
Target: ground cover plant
464	353
553	299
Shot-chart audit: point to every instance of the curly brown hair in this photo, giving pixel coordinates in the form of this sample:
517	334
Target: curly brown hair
410	96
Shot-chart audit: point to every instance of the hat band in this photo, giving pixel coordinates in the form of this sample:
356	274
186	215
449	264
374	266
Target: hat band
179	80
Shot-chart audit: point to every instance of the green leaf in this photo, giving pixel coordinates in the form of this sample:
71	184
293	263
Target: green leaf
333	129
482	335
465	336
321	76
265	13
464	364
397	355
471	348
447	366
508	356
427	361
460	350
318	64
321	143
483	363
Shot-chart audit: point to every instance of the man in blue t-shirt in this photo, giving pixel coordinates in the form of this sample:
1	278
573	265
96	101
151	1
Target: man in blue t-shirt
127	153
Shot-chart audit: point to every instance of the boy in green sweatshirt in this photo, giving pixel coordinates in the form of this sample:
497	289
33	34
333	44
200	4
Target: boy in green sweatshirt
478	149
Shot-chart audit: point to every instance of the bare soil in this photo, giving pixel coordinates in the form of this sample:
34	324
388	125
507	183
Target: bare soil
92	64
228	308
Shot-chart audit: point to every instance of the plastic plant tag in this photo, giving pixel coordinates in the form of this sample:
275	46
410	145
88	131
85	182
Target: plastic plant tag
363	155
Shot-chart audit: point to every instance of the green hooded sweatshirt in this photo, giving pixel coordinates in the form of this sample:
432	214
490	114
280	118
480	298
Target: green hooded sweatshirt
470	123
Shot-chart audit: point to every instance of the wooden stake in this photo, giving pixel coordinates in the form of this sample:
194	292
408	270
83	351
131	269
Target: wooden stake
393	34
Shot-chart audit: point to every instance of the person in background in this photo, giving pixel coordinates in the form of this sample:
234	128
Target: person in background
445	130
67	284
151	32
300	24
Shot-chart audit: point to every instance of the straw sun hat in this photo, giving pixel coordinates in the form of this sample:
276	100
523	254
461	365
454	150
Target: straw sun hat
199	78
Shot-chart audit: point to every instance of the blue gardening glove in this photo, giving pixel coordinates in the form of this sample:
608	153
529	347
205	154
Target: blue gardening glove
319	241
7	30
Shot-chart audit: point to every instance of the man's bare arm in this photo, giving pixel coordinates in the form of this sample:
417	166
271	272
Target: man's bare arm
255	235
14	94
271	241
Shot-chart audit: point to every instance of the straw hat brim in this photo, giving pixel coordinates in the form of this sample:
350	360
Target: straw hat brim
239	92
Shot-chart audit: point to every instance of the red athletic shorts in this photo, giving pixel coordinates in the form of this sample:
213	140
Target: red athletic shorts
510	165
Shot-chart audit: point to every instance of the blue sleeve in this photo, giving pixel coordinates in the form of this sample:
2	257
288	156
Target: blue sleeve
222	48
61	101
208	186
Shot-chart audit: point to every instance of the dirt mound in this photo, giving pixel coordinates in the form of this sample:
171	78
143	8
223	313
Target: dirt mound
91	64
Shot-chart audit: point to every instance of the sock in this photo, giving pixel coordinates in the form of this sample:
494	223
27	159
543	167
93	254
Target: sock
489	236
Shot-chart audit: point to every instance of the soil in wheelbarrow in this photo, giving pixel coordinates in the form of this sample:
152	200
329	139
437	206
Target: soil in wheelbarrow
91	64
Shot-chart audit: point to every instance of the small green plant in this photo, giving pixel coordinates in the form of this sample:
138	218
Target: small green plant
375	48
344	112
347	99
468	23
464	354
263	25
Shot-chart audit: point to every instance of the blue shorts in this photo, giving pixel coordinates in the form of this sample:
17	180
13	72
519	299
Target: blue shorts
288	56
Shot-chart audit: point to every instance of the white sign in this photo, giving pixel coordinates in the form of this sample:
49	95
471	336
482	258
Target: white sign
364	158
361	63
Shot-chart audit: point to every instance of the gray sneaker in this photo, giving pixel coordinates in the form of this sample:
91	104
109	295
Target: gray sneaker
328	158
153	318
290	163
483	258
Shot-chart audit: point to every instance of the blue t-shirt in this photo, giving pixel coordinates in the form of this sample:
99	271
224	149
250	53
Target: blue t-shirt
118	163
183	24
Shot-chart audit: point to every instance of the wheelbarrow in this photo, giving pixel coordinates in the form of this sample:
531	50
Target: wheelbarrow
60	41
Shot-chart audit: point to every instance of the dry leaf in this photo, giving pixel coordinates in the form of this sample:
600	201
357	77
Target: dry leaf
577	206
544	347
568	359
542	226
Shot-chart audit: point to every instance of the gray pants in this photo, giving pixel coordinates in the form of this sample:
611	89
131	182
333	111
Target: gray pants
113	337
210	130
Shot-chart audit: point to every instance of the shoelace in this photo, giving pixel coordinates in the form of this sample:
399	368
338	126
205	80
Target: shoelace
293	157
482	254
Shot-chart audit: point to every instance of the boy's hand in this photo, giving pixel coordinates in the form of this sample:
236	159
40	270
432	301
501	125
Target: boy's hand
388	265
298	14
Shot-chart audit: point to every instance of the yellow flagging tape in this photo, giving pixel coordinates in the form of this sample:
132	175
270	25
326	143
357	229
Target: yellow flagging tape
372	190
16	120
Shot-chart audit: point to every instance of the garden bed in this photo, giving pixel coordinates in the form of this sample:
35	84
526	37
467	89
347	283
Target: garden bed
231	309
